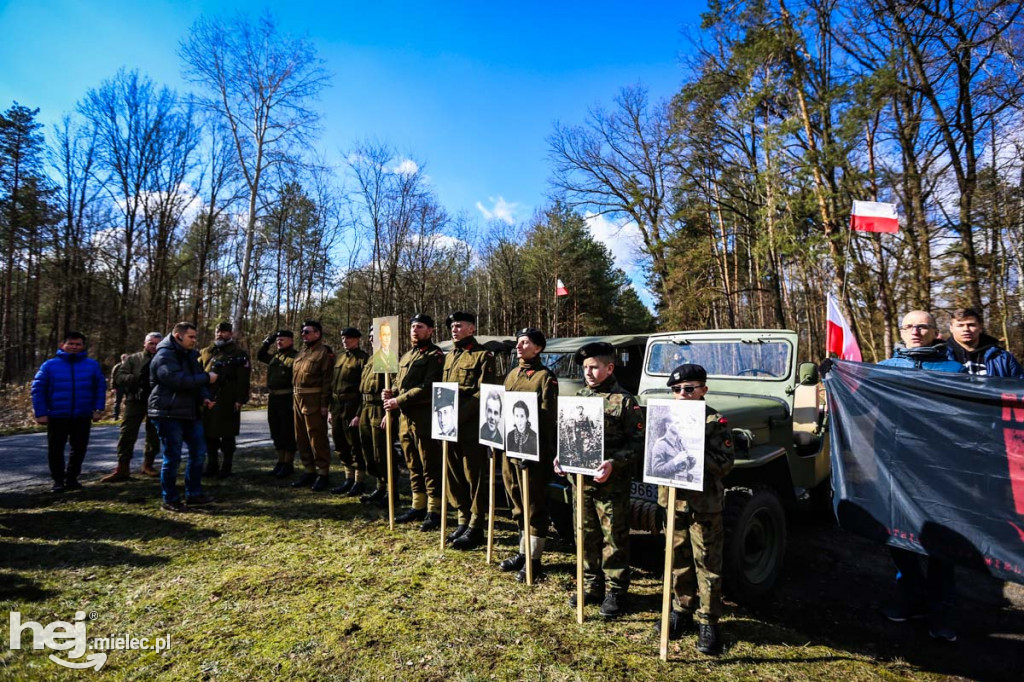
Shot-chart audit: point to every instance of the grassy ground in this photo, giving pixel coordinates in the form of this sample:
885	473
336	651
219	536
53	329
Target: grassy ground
274	582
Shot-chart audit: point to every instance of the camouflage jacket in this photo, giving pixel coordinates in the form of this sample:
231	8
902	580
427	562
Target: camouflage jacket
623	429
279	366
469	365
418	369
534	377
231	364
718	461
348	372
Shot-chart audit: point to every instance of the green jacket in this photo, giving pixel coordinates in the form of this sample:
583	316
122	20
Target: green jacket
279	367
231	364
623	430
348	371
418	369
469	365
132	377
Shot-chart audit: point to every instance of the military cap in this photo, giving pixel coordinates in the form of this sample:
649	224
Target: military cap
535	335
595	350
443	397
287	333
352	333
225	327
460	316
425	319
687	373
314	324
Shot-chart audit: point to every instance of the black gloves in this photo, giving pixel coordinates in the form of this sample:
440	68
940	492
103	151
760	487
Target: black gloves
270	339
824	367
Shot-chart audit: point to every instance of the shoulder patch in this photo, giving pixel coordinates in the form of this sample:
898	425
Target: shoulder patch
723	420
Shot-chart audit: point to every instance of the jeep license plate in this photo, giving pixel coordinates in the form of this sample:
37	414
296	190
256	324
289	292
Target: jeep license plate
643	491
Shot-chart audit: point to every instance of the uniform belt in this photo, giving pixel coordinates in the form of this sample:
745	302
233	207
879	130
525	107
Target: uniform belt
372	399
280	391
346	397
315	389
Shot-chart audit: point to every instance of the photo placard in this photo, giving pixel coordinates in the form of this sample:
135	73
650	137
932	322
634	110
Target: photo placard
674	447
522	425
385	344
492	417
580	434
445	405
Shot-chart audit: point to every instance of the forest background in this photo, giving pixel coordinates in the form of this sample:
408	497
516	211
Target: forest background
146	206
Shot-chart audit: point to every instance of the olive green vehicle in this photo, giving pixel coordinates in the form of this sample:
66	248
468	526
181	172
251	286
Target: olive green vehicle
780	439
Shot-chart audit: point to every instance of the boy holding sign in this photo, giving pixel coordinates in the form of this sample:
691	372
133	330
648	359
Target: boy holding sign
699	536
605	506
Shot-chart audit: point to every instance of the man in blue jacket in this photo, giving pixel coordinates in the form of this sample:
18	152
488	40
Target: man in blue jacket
179	390
978	352
921	594
68	395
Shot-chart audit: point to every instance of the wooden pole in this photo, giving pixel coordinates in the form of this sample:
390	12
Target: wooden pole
490	509
579	548
444	492
526	525
390	454
666	599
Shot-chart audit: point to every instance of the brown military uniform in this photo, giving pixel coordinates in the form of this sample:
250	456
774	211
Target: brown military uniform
372	438
536	378
699	539
345	403
311	387
469	365
418	369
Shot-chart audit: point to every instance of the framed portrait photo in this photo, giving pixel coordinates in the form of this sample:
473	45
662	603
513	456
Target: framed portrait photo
385	344
492	417
522	425
674	446
580	434
444	403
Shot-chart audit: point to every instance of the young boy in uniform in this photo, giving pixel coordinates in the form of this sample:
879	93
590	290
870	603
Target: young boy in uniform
606	495
699	536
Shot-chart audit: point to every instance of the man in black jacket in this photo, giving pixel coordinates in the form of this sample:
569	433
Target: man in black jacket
179	389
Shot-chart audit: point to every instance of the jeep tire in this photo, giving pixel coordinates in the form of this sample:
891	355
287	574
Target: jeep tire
755	542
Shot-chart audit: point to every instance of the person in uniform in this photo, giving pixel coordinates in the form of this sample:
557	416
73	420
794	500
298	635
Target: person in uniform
222	422
373	429
118	392
311	387
530	375
470	365
280	405
345	402
490	431
418	369
699	538
131	377
606	495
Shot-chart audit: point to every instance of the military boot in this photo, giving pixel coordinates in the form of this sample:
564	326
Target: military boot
120	473
708	641
147	467
287	469
345	486
472	538
306	480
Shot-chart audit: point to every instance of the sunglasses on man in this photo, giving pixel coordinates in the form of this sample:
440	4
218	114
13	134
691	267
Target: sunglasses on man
686	389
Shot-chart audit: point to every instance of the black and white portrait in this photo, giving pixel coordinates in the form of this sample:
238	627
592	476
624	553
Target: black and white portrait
492	422
674	450
580	434
445	424
522	422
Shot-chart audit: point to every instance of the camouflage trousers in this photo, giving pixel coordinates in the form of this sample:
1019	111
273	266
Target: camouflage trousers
346	438
373	441
605	535
423	459
697	546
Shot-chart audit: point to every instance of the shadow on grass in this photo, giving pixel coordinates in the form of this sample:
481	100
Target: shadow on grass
17	587
98	524
71	554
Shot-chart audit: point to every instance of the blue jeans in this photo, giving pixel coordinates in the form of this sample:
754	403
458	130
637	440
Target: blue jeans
937	587
173	432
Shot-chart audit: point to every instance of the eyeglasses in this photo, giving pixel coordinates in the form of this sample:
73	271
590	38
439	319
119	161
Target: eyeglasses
919	328
307	331
686	389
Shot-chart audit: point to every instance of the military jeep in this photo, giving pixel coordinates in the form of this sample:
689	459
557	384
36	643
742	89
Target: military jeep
779	436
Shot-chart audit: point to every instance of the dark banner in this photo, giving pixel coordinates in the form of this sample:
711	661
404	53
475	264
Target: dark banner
931	462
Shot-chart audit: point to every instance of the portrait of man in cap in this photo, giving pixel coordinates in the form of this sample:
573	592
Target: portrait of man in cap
446	412
674	453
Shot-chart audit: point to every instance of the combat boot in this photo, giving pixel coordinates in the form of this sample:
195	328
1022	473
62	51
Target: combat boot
411	515
432	522
474	537
320	483
678	621
357	489
119	474
147	467
513	563
345	486
276	471
614	604
708	641
590	596
538	572
457	533
306	480
287	469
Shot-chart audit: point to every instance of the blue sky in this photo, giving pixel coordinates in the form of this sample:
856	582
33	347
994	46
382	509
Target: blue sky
469	90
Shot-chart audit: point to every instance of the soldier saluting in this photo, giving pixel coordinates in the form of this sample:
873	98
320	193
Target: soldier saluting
280	406
222	422
311	388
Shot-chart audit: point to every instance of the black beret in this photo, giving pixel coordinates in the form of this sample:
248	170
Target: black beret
314	324
225	327
286	333
595	349
687	373
460	316
535	335
443	397
351	332
425	319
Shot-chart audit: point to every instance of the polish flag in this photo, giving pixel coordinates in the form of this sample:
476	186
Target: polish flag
560	289
839	339
872	216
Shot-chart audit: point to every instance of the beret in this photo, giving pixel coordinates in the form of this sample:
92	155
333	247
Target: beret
225	327
351	332
460	316
535	335
443	397
595	349
425	319
687	373
314	324
286	333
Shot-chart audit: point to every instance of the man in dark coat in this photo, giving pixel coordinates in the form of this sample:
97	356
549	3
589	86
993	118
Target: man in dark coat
222	422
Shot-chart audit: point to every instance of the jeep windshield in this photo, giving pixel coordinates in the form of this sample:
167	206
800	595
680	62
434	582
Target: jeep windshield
756	359
562	365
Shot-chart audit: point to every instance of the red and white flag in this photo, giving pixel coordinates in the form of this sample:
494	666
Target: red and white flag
873	216
838	337
560	289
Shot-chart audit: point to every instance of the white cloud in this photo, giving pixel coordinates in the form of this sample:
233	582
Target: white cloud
406	167
625	244
500	210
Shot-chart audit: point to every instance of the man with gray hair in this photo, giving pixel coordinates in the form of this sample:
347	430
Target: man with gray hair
132	377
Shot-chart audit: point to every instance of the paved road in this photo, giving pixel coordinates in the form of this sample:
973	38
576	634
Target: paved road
23	457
